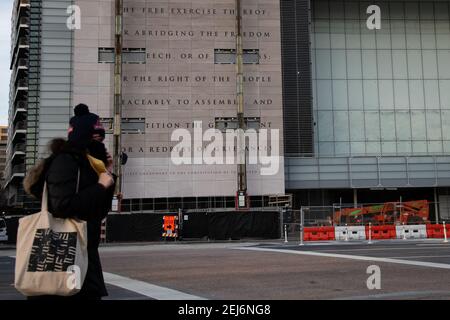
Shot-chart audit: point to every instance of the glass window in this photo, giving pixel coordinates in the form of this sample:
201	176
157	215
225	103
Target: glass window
384	58
418	125
388	148
355	94
370	94
386	94
368	38
419	147
399	64
326	148
342	148
354	64
397	10
369	63
323	64
434	129
416	94
357	126
321	9
444	63
412	10
398	34
338	40
441	11
413	40
326	126
372	126
324	95
404	147
426	10
341	132
358	148
434	147
337	9
429	64
428	34
352	10
322	41
339	64
431	94
373	148
415	64
388	126
446	124
403	124
340	101
444	88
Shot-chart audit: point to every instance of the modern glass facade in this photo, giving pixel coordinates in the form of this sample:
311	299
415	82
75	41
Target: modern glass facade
380	102
381	92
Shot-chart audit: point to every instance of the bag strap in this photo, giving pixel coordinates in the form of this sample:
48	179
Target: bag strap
44	202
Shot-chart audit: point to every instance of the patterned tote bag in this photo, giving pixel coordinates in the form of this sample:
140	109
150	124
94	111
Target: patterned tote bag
51	256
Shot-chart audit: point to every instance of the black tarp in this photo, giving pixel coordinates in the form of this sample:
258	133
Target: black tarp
214	225
134	227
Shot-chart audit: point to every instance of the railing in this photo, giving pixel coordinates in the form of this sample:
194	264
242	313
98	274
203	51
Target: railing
19	147
21	105
20	168
21	125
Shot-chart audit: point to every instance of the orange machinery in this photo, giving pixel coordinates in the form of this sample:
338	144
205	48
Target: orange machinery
387	213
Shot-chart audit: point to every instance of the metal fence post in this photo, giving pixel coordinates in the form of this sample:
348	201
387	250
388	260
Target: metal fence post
302	222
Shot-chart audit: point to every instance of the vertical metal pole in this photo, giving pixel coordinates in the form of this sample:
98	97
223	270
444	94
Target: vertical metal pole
242	170
355	198
436	206
302	226
370	232
118	94
281	222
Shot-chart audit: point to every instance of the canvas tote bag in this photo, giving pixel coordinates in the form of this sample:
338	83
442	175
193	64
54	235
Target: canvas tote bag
51	256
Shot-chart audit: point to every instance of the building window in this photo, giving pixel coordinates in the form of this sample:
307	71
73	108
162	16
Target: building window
224	124
129	55
134	55
106	55
228	56
129	125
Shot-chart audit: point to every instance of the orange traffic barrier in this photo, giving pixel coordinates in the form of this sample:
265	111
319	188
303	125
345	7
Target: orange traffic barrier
170	227
318	233
437	231
381	232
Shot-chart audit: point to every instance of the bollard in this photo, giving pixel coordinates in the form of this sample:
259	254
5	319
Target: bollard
285	234
346	233
445	233
370	232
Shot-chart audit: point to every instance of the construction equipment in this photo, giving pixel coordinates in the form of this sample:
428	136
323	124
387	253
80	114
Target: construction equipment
387	213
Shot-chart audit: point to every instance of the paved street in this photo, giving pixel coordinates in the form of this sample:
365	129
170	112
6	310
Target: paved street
268	270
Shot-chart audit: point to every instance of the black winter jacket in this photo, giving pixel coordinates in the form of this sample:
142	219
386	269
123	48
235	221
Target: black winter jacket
92	203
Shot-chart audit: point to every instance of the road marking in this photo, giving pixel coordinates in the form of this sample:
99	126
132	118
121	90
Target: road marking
147	289
384	248
420	257
405	294
353	257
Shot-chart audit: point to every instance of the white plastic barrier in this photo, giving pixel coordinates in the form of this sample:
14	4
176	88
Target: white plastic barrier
411	231
350	233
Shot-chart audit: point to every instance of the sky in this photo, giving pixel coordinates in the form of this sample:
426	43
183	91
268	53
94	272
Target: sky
5	39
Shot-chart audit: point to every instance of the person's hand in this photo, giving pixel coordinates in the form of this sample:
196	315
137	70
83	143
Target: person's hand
109	158
106	180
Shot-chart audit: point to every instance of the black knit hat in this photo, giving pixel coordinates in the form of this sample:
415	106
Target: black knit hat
84	125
